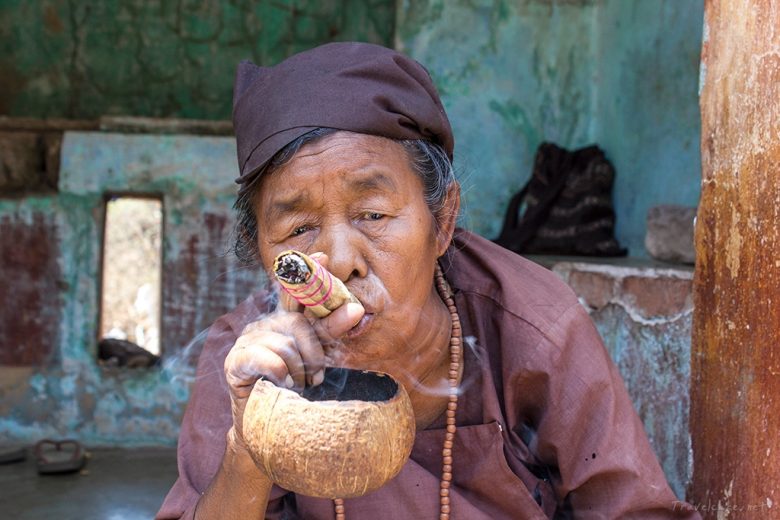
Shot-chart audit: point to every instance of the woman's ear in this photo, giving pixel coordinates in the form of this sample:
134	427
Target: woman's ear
447	218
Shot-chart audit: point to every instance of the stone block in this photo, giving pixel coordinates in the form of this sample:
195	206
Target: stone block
595	289
658	296
669	234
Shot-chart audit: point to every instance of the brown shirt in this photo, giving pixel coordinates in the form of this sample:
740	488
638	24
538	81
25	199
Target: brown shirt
544	421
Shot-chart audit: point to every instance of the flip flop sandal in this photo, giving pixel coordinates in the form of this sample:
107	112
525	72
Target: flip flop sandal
57	457
11	455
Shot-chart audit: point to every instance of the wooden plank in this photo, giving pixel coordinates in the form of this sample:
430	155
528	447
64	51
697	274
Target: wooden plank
33	124
735	410
151	125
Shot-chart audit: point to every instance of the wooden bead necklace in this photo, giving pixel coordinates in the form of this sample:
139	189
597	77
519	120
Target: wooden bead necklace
445	293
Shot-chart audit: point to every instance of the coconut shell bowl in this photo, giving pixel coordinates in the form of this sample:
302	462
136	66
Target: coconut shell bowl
343	438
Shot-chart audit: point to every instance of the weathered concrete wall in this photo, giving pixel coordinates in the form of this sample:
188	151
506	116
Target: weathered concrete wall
644	315
646	112
619	73
735	414
52	245
160	58
511	74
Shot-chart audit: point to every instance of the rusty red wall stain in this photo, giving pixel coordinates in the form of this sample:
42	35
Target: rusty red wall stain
203	281
31	285
735	413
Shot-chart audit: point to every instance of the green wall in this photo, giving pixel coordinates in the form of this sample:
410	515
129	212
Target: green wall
622	73
647	108
511	74
82	59
619	73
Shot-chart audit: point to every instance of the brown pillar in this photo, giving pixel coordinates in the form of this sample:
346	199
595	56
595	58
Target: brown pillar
735	371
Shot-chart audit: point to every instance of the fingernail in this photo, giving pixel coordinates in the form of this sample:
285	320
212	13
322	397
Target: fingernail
355	307
288	381
318	378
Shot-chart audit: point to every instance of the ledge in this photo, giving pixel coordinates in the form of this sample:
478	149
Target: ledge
651	292
629	262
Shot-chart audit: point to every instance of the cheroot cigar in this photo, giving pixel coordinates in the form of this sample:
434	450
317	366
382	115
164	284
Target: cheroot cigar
311	284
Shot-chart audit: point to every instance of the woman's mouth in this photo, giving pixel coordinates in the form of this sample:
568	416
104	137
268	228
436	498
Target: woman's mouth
362	326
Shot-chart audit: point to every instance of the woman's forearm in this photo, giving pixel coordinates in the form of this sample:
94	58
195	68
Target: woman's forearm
239	489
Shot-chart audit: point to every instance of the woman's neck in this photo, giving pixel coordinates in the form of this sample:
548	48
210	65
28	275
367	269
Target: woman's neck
428	388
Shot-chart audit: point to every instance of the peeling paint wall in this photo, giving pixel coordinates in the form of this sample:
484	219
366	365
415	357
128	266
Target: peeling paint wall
646	110
91	59
160	58
511	74
619	73
57	388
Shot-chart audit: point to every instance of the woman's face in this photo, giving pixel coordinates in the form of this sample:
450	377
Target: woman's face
356	198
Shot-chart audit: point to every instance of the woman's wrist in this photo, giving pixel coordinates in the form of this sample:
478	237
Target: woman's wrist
239	461
239	489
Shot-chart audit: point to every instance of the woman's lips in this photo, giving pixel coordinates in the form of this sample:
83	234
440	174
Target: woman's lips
362	326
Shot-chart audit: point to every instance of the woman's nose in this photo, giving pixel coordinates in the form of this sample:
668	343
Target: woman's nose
345	250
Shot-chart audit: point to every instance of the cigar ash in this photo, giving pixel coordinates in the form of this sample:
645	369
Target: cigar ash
292	269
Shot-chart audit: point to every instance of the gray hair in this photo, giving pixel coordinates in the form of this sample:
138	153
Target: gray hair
429	161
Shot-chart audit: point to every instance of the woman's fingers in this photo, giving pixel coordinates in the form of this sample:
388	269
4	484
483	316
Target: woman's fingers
338	322
248	361
310	349
321	258
286	347
291	337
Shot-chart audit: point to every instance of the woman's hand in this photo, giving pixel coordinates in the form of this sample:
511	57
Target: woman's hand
286	348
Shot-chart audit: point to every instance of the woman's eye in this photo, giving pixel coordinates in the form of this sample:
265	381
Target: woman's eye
299	230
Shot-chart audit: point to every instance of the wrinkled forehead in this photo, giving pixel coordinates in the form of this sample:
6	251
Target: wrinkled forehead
349	163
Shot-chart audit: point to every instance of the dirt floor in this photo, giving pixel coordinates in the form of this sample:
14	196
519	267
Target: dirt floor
114	485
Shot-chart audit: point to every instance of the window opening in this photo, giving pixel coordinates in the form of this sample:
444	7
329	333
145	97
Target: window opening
131	284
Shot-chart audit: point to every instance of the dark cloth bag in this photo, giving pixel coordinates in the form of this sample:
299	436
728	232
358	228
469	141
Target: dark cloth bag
566	206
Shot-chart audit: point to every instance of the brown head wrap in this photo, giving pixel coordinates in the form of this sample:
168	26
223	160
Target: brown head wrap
358	87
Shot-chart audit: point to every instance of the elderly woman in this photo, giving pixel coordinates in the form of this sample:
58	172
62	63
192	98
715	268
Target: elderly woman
345	154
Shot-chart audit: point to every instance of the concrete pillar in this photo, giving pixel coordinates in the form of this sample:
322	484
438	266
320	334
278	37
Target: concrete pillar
735	373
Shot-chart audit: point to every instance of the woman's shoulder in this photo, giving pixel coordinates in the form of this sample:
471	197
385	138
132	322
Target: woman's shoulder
507	282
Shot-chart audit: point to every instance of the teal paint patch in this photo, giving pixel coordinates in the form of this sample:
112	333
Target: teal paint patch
38	386
621	74
647	115
654	361
703	65
521	76
96	162
515	117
